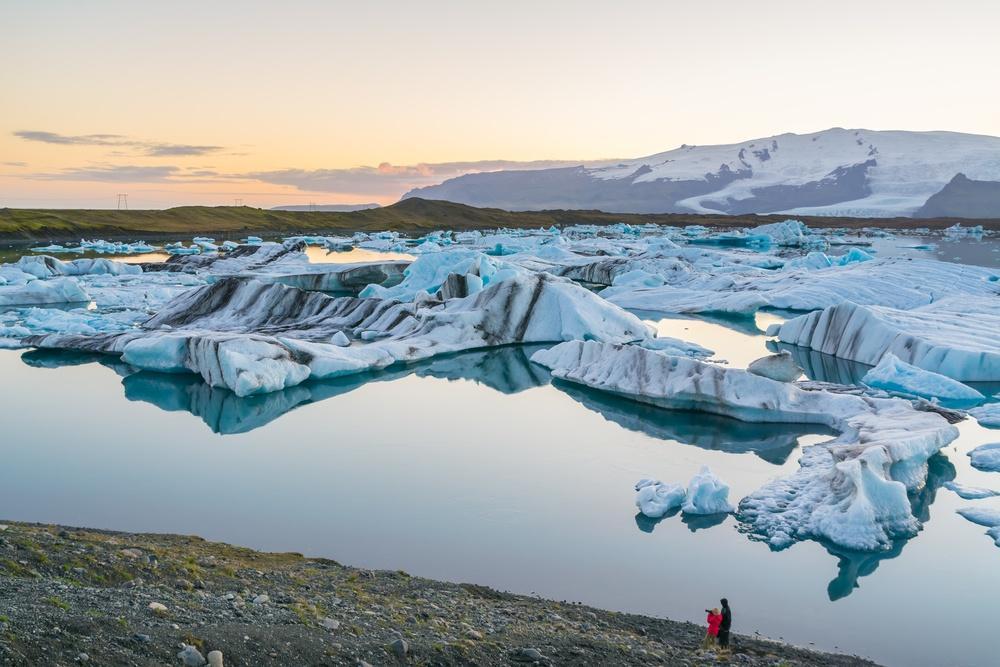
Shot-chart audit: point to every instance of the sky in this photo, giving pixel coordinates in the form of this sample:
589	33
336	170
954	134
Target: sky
301	102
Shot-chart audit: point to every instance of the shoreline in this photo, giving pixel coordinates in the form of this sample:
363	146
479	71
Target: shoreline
66	593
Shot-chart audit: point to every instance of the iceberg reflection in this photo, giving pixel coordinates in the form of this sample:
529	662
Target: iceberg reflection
772	442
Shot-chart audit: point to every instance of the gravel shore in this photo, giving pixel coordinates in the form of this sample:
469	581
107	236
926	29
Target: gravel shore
72	596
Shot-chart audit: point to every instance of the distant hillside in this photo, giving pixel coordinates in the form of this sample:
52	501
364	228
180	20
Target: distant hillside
412	216
837	172
965	198
339	208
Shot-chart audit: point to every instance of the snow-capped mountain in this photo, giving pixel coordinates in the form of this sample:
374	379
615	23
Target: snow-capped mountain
835	172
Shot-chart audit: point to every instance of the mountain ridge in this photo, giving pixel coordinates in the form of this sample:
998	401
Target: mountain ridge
838	172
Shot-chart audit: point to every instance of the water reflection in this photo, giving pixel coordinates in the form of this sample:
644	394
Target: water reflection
771	442
821	366
507	370
853	565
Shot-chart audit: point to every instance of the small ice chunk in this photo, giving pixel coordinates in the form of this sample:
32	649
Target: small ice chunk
896	376
655	498
986	457
706	494
780	367
970	492
340	339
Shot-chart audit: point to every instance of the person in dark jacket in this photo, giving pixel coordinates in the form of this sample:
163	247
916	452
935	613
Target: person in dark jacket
727	622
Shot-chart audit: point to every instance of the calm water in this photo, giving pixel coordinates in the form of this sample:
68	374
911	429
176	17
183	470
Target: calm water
477	468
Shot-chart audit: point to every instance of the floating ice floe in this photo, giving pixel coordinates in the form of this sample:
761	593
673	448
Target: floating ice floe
970	492
984	516
656	499
898	377
986	457
987	415
851	490
255	338
954	337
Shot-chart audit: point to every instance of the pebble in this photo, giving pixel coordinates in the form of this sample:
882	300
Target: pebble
83	657
144	639
528	655
215	658
3	527
400	648
191	657
263	598
131	553
330	623
157	607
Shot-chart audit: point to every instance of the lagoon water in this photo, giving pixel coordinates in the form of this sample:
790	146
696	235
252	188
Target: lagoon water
478	468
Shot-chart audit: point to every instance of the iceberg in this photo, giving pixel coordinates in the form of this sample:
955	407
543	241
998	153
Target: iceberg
656	499
986	457
851	490
953	337
706	494
37	292
701	287
255	337
898	377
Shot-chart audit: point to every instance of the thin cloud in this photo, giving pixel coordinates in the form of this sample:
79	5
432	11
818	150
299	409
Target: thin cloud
147	148
387	179
15	164
113	174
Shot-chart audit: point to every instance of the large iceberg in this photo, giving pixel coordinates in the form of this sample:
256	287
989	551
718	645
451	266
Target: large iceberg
851	490
254	337
954	337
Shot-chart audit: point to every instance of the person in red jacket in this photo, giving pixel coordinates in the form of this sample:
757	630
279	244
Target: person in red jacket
714	620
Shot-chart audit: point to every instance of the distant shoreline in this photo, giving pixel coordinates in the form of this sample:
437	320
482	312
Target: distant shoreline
128	598
410	216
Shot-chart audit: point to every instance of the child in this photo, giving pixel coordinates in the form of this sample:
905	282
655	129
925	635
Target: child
714	619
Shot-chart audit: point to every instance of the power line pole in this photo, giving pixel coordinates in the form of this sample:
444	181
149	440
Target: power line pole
123	201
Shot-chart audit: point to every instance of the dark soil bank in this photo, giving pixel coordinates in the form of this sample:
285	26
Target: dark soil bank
78	596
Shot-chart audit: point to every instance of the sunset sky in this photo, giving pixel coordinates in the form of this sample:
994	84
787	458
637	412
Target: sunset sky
297	102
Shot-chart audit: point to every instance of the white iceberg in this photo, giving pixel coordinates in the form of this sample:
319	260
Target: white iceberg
706	494
37	292
898	377
655	498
